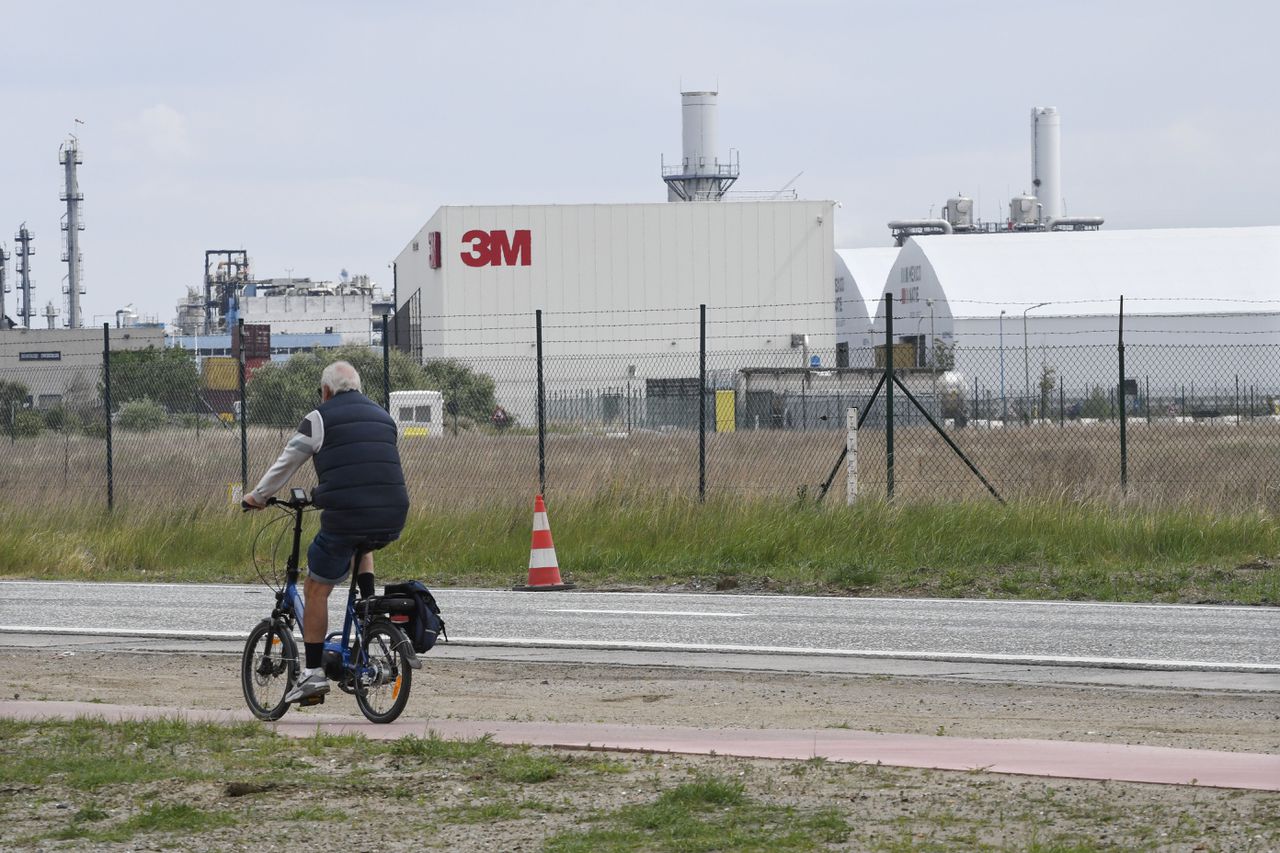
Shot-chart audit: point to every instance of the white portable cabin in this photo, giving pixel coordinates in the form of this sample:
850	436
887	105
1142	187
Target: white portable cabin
418	413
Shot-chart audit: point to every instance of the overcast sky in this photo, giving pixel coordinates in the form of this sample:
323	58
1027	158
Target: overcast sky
321	135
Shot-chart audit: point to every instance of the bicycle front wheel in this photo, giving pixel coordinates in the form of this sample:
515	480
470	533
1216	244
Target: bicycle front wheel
384	676
268	669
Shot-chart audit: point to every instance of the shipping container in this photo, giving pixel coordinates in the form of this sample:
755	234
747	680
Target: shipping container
220	402
220	373
257	340
251	366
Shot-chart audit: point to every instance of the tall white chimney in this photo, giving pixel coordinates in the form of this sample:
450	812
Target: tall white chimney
698	123
1046	160
701	176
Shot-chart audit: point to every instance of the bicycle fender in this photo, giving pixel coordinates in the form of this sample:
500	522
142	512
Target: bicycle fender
414	661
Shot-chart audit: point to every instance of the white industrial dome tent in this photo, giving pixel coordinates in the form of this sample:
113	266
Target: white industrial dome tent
1214	289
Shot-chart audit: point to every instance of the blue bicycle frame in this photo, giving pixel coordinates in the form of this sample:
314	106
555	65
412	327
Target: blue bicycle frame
290	605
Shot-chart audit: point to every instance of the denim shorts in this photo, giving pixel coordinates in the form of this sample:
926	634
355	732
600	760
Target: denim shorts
329	556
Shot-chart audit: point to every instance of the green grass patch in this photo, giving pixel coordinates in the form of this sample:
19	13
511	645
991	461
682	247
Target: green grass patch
706	814
317	813
1055	549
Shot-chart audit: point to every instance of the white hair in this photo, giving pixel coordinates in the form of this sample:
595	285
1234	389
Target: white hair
340	376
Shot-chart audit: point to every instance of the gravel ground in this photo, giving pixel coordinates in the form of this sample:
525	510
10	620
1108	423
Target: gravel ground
886	808
479	690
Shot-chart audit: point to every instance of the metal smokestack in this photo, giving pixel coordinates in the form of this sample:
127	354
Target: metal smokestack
698	123
700	176
1046	160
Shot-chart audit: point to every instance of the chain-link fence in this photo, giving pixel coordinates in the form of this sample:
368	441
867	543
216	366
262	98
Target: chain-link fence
691	410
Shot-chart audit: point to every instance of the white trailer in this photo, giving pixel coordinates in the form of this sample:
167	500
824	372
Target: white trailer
418	413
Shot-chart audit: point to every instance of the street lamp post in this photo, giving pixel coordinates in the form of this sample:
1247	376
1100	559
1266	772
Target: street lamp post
933	359
1026	363
1004	402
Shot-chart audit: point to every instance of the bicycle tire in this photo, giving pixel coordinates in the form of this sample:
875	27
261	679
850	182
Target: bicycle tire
268	669
382	688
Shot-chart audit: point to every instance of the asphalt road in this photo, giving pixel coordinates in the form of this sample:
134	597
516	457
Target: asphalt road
1139	637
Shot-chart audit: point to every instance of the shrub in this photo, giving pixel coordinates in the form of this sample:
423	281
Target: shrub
142	415
27	424
166	375
13	396
56	419
281	393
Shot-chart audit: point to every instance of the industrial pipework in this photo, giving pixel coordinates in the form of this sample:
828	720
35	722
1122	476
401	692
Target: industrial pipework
905	228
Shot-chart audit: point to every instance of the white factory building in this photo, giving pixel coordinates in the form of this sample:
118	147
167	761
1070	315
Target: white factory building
347	312
620	285
1202	306
766	266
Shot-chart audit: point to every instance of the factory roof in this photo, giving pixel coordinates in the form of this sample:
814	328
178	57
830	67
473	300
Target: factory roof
1176	270
869	267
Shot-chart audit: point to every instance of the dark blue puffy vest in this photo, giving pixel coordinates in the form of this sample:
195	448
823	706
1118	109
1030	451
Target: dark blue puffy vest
361	489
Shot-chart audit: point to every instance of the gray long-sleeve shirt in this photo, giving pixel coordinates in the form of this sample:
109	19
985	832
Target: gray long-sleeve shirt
301	446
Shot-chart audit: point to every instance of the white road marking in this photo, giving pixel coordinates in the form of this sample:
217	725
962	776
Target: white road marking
966	657
958	602
146	633
525	642
647	612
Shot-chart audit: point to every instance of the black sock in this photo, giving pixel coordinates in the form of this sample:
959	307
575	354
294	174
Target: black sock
365	582
315	654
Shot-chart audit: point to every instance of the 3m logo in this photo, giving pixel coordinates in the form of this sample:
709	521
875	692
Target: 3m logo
497	249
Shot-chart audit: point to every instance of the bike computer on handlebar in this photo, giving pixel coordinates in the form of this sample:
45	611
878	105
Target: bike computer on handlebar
298	495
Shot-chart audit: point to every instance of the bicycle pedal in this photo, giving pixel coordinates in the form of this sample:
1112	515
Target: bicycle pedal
311	700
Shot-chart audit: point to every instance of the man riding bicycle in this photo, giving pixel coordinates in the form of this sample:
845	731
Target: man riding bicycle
361	493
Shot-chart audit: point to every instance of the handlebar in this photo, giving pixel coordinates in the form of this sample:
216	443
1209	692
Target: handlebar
291	503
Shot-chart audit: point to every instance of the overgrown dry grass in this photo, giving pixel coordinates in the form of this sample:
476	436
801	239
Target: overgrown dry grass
1214	466
1026	549
1198	523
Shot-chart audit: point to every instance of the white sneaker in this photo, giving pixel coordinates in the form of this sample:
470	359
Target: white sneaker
310	683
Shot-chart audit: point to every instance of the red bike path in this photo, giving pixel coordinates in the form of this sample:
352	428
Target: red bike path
1048	758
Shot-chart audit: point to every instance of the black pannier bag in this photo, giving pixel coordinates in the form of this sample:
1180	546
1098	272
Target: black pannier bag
424	625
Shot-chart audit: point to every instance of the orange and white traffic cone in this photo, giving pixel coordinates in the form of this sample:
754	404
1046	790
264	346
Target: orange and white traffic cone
544	569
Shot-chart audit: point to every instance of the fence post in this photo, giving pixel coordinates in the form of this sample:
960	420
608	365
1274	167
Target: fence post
888	392
106	404
1124	415
244	410
386	367
542	414
702	403
851	456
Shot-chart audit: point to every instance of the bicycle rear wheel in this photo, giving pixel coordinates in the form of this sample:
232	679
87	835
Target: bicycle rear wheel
382	684
268	668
